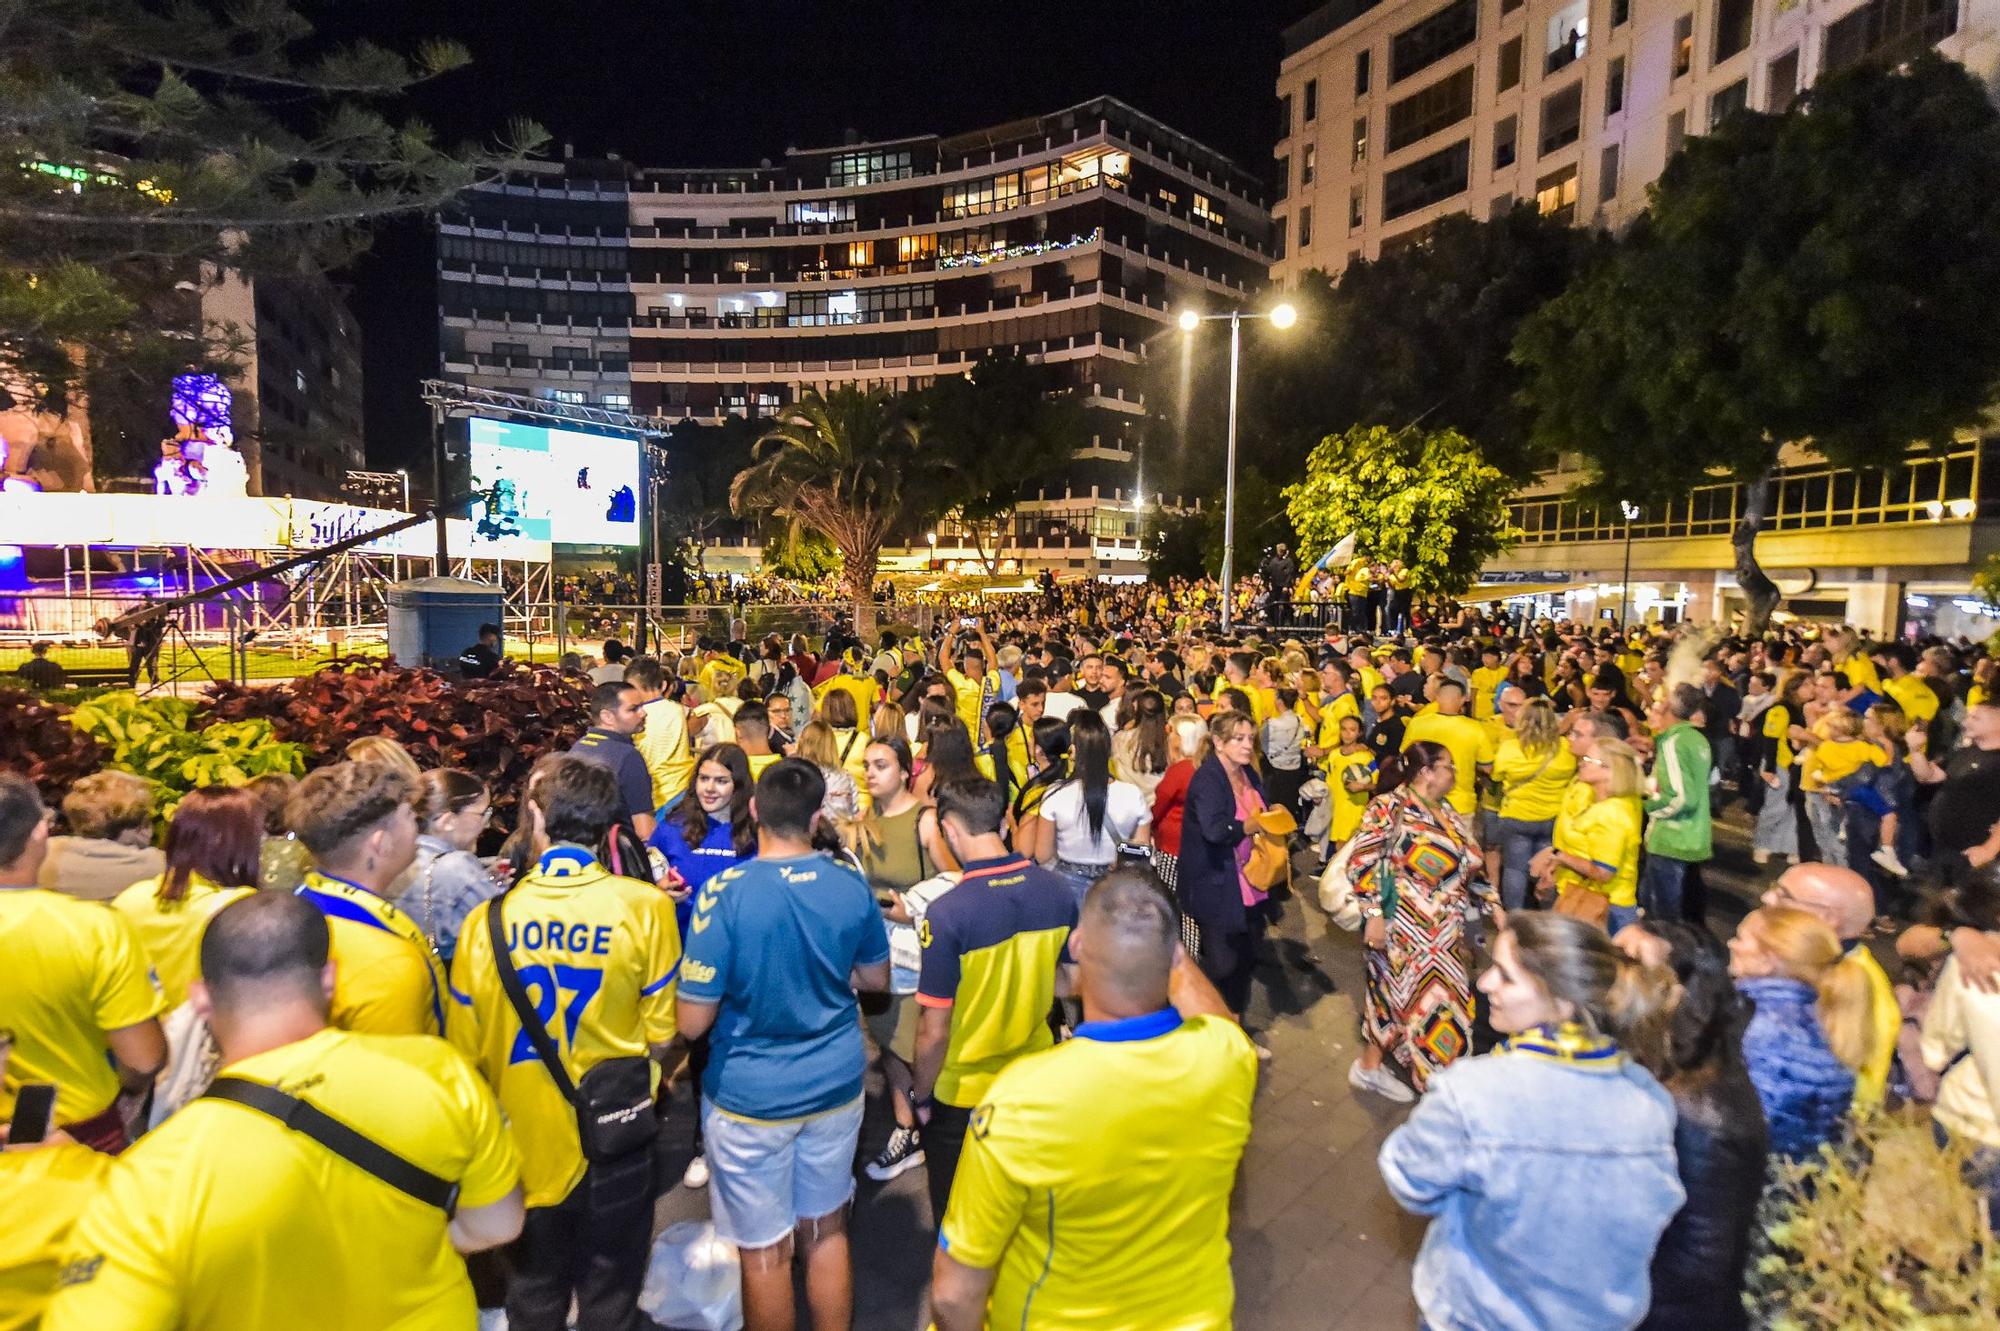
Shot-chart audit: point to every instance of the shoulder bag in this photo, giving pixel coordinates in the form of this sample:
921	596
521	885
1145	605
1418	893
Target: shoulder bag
614	1101
364	1153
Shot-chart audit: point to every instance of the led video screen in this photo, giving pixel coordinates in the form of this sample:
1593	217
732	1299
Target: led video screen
554	485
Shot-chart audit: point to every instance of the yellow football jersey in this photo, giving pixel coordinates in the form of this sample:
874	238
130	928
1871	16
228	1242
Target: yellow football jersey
41	1193
69	971
386	975
599	955
224	1218
1118	1216
171	931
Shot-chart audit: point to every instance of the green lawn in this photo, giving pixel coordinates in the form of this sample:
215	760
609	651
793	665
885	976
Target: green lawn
198	661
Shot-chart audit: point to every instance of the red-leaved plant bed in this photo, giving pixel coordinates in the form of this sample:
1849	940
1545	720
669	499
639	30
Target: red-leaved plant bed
495	728
38	741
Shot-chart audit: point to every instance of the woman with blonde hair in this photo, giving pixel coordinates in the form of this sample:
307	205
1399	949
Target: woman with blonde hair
888	719
382	749
1811	1031
110	841
1533	767
1495	1151
816	745
1594	847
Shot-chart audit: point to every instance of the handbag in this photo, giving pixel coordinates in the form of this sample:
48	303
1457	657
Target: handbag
1336	889
1581	903
615	1117
1270	852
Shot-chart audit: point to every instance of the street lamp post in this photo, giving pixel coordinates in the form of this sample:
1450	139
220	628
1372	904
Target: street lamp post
1631	512
931	565
1281	316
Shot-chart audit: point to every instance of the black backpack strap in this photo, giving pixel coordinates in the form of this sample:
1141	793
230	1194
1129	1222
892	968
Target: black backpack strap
363	1153
517	994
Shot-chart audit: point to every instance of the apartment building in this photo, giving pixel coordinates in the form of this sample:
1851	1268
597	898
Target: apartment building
1069	238
1398	112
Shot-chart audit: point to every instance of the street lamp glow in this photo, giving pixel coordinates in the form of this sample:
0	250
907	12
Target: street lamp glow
1189	321
1284	316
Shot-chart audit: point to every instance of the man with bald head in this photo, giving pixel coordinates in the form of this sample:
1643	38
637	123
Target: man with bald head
1845	902
1140	1177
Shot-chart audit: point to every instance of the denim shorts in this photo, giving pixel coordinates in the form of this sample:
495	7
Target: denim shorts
766	1177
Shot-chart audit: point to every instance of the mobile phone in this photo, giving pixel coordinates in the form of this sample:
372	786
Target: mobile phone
968	621
34	1111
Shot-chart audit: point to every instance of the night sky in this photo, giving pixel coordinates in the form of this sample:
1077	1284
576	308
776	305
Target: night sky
727	82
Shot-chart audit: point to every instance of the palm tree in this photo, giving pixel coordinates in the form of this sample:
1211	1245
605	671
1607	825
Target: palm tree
847	465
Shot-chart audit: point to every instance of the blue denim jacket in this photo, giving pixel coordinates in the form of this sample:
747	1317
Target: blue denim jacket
1548	1185
1806	1090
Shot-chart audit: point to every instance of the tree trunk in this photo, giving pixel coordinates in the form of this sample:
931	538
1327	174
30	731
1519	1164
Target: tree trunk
858	567
990	562
1758	590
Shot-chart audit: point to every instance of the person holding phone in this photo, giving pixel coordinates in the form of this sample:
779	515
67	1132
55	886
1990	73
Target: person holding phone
74	987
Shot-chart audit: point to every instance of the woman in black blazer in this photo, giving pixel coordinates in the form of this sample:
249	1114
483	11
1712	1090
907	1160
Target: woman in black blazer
1211	886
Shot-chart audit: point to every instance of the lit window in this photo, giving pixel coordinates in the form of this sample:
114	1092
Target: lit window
1206	210
910	249
299	380
1361	139
1308	164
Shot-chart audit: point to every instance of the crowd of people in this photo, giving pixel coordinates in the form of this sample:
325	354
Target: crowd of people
1020	868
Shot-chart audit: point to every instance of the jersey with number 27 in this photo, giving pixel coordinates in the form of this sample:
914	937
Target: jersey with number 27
598	956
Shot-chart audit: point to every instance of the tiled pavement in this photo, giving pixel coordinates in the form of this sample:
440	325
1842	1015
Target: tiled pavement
1318	1242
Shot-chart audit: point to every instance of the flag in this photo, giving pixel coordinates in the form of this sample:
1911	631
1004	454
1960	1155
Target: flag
1342	552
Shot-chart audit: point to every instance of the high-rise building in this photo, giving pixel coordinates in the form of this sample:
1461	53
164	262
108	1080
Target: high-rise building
1068	238
1397	112
297	412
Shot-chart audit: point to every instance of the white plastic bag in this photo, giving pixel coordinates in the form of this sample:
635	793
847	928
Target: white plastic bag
1336	889
693	1282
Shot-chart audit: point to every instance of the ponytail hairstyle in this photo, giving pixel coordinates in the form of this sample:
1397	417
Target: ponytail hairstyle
1610	994
1001	723
1149	712
1090	742
1051	737
444	790
1399	769
1806	949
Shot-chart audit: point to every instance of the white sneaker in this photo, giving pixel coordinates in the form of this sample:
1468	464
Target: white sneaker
1760	857
697	1173
1381	1081
1886	857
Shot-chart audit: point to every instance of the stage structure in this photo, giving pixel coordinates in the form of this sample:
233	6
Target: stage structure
562	473
298	574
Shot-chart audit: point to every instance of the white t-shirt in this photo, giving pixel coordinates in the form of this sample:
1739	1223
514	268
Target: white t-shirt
1060	705
1125	812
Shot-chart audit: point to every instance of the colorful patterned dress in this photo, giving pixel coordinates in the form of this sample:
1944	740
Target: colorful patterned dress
1419	996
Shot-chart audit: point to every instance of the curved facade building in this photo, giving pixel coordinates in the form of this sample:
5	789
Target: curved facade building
1068	238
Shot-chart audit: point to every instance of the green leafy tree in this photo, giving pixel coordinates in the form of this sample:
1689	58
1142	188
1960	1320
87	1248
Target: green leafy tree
1823	277
849	466
1004	427
1429	499
144	145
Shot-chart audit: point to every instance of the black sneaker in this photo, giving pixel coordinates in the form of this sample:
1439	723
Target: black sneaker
903	1153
